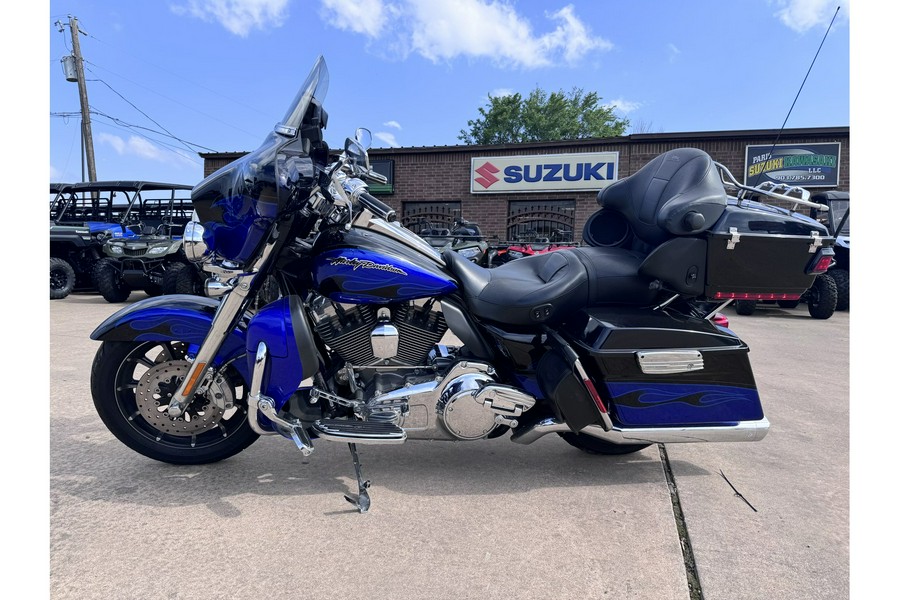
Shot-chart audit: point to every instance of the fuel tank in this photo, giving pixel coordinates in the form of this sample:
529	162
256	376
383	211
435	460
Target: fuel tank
360	266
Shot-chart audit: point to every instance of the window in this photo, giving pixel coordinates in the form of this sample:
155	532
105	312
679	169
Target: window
541	221
419	216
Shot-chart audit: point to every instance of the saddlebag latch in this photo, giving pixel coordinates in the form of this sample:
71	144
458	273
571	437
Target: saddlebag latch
735	238
816	242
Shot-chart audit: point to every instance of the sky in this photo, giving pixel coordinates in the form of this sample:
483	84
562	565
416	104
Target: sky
168	79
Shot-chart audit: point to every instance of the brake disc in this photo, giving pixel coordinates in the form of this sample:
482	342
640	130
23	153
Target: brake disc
159	384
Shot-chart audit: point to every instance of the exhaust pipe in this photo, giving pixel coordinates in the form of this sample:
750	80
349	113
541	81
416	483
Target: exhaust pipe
743	431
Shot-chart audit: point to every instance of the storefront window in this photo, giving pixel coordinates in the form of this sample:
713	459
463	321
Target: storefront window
541	221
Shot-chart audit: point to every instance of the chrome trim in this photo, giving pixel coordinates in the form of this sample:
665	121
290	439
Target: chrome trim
718	309
669	361
604	415
336	435
259	367
230	309
744	431
195	249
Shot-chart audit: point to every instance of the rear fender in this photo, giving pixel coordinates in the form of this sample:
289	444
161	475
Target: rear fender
176	317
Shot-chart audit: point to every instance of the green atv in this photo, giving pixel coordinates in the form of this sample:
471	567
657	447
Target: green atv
151	253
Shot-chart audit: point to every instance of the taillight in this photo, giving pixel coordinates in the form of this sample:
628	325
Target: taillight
820	262
721	320
754	296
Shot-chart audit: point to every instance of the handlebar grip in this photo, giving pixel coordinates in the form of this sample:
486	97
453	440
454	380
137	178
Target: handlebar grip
377	207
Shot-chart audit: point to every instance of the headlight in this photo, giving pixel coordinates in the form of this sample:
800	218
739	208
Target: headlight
116	249
157	250
516	254
195	248
469	252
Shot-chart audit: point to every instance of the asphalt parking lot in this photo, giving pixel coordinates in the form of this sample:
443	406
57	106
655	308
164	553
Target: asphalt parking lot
478	520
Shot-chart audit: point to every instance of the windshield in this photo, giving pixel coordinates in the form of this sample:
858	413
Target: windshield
839	208
315	86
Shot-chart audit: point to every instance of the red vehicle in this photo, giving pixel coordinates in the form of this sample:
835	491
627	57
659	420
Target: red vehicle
504	254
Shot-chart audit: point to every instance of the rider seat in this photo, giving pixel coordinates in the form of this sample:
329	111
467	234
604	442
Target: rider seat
544	288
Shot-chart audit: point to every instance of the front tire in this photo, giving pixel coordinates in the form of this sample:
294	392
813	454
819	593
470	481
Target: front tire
822	297
130	382
62	278
591	445
108	281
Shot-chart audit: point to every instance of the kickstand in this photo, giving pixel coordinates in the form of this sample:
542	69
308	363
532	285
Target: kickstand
362	501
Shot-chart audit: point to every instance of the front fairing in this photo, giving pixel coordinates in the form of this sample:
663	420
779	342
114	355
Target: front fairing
238	204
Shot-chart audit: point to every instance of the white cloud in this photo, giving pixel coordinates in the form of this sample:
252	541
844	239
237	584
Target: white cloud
393	124
240	17
674	51
802	15
479	29
388	138
143	148
367	17
501	93
624	106
54	173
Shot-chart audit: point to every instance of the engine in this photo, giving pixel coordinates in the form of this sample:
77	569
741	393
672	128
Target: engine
385	335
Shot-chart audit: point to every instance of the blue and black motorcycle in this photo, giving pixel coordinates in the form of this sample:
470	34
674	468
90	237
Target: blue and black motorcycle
612	346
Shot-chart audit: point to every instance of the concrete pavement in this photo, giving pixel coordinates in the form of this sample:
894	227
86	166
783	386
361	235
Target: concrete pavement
453	520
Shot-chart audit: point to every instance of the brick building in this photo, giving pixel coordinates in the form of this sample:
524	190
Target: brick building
432	184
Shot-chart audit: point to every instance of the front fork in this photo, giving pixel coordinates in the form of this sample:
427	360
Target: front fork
233	305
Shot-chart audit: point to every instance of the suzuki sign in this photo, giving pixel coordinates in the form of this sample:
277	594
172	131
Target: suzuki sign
544	173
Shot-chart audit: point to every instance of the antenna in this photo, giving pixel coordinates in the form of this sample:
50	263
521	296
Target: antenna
790	110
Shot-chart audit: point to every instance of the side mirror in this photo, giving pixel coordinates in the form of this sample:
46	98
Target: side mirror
364	138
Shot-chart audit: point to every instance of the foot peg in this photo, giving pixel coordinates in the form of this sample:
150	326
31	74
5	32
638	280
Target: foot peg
362	502
359	432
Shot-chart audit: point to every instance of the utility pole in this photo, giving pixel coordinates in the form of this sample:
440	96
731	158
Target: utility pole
87	137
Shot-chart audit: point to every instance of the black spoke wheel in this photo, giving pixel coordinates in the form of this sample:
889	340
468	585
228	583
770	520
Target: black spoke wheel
131	383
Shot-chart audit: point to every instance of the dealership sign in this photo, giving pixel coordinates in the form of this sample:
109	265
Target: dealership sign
807	165
543	173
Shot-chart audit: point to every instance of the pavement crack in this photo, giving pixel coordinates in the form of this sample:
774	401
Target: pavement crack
687	552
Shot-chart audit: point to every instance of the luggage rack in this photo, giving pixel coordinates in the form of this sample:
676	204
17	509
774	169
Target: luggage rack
792	194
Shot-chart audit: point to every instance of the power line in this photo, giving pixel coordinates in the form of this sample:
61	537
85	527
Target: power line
172	135
153	91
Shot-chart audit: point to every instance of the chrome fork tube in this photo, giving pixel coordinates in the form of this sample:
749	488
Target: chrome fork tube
230	310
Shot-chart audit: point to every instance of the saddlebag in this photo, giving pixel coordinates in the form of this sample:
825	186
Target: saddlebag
661	369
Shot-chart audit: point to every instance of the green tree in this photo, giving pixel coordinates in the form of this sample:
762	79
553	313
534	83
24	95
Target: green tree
542	116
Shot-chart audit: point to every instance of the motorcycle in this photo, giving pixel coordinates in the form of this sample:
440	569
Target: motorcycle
612	347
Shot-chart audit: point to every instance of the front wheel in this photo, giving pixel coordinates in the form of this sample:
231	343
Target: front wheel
108	281
131	383
821	298
591	445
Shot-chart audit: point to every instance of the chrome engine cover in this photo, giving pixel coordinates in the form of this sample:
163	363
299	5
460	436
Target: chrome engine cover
466	404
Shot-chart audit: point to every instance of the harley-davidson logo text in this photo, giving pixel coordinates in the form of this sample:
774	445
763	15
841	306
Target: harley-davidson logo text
365	264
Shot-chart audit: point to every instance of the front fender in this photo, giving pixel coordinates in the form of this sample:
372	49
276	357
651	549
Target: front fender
176	317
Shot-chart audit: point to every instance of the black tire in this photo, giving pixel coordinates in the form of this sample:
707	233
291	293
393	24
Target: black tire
62	278
788	303
170	277
591	445
188	281
125	392
108	281
745	307
842	281
821	298
153	290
